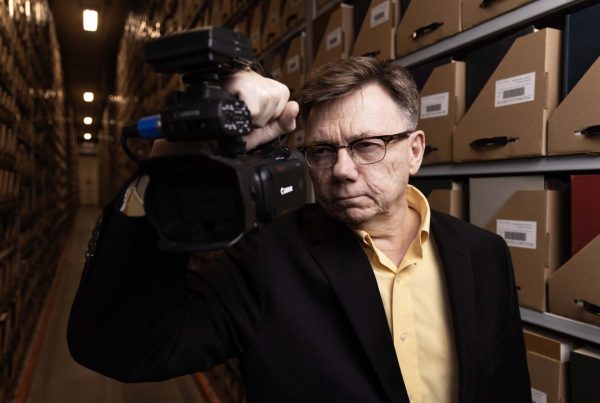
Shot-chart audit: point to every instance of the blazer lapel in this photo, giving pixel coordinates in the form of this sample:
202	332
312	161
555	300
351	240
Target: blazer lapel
335	248
461	294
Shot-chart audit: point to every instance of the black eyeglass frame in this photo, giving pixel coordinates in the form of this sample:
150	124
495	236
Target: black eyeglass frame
385	138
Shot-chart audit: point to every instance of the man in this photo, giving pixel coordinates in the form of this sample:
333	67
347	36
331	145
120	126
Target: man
367	296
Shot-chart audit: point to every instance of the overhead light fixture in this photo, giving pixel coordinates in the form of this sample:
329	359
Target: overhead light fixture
88	120
88	96
87	136
90	20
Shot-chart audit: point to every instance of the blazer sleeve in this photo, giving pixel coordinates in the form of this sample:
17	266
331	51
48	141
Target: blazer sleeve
140	315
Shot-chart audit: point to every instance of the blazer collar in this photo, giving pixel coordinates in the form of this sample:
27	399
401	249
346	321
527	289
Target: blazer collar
456	263
335	248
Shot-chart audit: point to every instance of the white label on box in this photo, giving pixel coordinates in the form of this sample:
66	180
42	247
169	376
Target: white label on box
380	14
515	90
334	38
537	396
520	234
434	105
293	63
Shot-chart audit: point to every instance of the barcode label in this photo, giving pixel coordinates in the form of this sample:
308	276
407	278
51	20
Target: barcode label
537	396
435	105
515	90
515	236
380	14
334	38
518	234
293	63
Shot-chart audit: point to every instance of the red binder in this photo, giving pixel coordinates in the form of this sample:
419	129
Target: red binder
585	212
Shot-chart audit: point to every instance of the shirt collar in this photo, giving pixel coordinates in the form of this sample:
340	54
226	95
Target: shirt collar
418	202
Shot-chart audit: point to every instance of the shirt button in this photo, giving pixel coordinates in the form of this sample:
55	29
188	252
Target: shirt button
403	336
398	279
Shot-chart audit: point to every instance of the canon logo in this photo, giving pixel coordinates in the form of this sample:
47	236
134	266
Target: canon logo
286	190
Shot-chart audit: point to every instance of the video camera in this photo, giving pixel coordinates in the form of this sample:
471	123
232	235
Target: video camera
208	201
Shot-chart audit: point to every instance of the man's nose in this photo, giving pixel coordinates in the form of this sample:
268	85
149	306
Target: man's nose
344	167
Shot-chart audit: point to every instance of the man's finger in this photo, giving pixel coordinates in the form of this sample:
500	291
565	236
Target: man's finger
286	123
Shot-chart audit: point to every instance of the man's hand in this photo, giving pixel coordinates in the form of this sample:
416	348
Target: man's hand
272	113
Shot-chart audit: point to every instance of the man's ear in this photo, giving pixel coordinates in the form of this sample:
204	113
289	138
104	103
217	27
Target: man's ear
417	149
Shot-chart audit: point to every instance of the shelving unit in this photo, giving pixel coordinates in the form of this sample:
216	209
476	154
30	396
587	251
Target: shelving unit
40	153
523	15
524	166
580	330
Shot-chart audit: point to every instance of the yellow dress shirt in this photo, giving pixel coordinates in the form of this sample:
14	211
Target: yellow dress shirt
416	305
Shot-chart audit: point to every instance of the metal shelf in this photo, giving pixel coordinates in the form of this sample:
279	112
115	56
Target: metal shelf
519	16
562	163
563	325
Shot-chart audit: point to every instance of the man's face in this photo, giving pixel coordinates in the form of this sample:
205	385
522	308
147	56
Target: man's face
361	194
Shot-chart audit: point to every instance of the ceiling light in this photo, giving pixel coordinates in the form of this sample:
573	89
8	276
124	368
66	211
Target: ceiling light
87	136
88	96
87	120
90	20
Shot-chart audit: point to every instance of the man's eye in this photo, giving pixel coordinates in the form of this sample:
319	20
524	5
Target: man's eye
366	146
321	152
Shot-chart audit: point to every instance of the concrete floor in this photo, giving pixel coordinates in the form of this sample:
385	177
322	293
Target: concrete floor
59	379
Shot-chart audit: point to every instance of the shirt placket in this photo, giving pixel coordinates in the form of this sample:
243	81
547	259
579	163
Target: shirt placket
404	333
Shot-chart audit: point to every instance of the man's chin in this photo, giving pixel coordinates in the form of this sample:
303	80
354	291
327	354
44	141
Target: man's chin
352	216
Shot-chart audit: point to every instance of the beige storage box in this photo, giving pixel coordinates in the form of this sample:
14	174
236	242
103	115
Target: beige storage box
335	41
509	116
442	107
426	22
475	12
255	16
533	224
547	360
574	290
574	127
294	13
376	36
293	65
272	24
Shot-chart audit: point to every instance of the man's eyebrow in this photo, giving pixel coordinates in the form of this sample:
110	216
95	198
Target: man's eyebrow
352	138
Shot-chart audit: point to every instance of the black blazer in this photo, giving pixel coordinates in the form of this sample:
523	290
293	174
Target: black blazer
298	303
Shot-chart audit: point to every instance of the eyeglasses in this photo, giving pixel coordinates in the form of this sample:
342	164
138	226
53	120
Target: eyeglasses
365	151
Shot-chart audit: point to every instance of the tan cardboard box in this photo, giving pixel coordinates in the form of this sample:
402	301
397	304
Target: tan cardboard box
376	36
426	22
215	13
473	13
547	359
241	26
272	25
488	195
293	66
449	201
336	40
533	224
226	10
442	107
255	24
275	67
294	13
574	290
574	127
509	116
